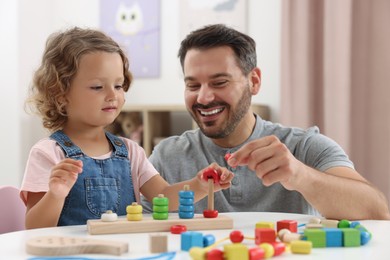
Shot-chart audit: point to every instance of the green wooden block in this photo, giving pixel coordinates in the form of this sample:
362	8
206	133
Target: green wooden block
351	237
316	235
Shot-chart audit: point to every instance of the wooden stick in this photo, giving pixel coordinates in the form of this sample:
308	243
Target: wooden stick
210	200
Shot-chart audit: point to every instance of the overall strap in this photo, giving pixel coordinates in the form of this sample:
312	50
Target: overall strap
66	144
118	144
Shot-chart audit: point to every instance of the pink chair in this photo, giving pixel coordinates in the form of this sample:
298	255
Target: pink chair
13	210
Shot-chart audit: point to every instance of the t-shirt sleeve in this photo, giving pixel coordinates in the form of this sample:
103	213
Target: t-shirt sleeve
141	169
322	153
42	158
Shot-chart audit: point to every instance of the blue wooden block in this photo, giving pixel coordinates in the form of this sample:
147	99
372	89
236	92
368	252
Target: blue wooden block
334	237
208	240
191	239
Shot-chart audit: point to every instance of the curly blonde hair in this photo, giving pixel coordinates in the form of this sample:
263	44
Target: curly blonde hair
60	62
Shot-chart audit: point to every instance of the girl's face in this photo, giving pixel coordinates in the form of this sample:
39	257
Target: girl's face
96	95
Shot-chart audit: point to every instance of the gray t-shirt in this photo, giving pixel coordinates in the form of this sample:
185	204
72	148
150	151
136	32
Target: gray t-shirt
179	158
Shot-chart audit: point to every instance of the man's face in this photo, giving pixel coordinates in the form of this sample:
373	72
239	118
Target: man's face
217	94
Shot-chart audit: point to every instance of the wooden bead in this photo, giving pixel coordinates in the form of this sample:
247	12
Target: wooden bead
109	216
236	236
210	213
211	174
282	232
134	208
178	229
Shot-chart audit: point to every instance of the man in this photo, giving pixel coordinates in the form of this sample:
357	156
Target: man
276	168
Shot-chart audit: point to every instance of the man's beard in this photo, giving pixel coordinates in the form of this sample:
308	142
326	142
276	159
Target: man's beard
234	119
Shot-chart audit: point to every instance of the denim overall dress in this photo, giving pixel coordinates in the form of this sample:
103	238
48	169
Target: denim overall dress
103	185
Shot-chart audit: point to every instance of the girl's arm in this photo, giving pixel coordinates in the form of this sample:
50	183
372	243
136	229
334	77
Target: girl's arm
44	208
157	185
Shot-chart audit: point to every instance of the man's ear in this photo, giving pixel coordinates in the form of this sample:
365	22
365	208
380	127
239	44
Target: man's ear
255	80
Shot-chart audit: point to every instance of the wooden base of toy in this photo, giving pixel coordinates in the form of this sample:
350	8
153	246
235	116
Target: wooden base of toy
58	245
148	224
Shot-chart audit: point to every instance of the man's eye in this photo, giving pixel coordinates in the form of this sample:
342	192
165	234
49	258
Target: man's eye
192	86
220	83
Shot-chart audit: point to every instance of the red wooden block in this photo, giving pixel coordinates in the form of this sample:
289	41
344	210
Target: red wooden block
264	235
227	156
279	247
214	254
291	225
256	253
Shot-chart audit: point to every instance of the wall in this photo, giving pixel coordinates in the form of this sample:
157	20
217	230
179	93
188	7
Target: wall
30	22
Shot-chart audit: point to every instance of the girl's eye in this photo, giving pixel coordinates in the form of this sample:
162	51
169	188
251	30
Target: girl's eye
118	86
96	87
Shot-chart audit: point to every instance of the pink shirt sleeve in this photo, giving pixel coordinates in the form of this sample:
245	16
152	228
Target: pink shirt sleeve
46	153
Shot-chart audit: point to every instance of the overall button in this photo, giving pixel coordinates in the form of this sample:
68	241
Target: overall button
117	142
68	144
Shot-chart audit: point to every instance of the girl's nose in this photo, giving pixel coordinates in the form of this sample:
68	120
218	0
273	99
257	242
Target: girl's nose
111	94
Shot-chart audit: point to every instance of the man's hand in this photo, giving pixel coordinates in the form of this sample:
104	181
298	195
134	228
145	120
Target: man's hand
271	160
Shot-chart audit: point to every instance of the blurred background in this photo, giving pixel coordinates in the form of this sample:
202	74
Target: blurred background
323	62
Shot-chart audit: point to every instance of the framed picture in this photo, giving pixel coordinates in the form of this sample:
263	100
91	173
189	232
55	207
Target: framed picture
135	25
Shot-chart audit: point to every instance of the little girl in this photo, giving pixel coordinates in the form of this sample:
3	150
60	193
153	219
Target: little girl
81	171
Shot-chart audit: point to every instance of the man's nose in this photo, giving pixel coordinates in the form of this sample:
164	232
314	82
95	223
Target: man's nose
205	94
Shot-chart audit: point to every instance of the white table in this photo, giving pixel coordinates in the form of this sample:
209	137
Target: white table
12	245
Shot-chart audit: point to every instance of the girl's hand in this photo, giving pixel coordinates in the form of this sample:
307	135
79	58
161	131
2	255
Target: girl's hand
63	177
223	180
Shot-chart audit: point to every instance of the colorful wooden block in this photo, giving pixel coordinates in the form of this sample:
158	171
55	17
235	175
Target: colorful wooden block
279	248
265	224
330	223
301	247
197	253
214	254
351	237
334	237
263	235
256	253
158	243
269	250
236	251
208	240
191	239
291	225
316	235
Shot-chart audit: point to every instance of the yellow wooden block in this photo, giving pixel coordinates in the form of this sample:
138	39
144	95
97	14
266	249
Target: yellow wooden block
265	224
269	250
197	253
236	251
301	247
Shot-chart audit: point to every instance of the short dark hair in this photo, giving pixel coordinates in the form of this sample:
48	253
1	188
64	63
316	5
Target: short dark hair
218	35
